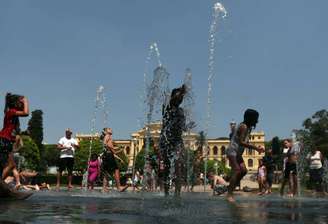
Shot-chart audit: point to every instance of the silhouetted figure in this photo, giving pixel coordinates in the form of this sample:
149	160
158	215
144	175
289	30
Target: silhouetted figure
171	142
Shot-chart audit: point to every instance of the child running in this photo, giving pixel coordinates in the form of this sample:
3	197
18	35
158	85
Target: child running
238	143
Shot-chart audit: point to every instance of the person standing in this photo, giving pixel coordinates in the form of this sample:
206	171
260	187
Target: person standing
236	148
171	142
269	164
93	170
315	159
67	146
290	171
109	164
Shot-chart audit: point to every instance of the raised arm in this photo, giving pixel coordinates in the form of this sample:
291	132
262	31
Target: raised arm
26	110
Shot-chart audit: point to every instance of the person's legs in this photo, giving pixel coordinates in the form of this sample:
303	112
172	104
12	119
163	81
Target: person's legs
105	184
117	179
291	185
282	188
166	175
10	166
61	167
269	182
236	174
319	181
17	178
295	184
178	176
70	166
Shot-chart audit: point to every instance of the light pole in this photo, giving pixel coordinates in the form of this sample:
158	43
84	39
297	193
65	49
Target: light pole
134	163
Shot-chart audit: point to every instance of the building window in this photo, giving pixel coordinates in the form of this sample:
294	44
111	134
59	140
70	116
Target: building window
249	152
259	137
250	163
223	149
127	150
215	150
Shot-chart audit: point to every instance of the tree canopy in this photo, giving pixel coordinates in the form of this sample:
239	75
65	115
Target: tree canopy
315	131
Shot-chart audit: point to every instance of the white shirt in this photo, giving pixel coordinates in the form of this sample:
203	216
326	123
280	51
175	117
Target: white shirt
315	160
67	153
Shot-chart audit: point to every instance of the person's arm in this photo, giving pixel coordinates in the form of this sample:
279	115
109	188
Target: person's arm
60	145
26	110
242	135
109	144
76	144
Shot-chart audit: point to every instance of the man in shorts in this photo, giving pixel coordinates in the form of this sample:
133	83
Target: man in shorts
67	146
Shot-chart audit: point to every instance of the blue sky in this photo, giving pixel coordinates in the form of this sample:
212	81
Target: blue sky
270	55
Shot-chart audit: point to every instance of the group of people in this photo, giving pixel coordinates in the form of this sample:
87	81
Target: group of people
99	166
171	153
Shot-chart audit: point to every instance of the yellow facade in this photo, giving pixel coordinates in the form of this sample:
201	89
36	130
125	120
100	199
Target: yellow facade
216	147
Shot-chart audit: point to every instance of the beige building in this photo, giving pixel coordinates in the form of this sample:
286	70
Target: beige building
216	147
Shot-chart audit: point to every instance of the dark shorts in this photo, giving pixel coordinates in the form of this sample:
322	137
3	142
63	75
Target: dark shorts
290	169
6	147
316	175
108	165
66	163
270	178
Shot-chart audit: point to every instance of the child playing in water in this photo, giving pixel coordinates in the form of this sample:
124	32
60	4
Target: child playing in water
93	170
15	106
290	171
238	143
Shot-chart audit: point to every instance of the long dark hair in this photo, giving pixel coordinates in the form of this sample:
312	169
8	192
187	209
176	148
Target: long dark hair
251	118
12	101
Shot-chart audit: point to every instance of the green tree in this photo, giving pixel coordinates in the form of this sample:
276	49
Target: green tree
35	131
35	127
51	154
315	131
30	152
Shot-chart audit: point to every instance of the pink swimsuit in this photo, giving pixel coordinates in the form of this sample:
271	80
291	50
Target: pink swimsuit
93	170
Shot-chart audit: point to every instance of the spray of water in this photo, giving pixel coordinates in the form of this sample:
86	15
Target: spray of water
302	149
100	104
157	96
219	12
188	104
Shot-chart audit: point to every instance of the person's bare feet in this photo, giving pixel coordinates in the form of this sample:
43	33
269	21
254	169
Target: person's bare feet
70	187
105	190
57	187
